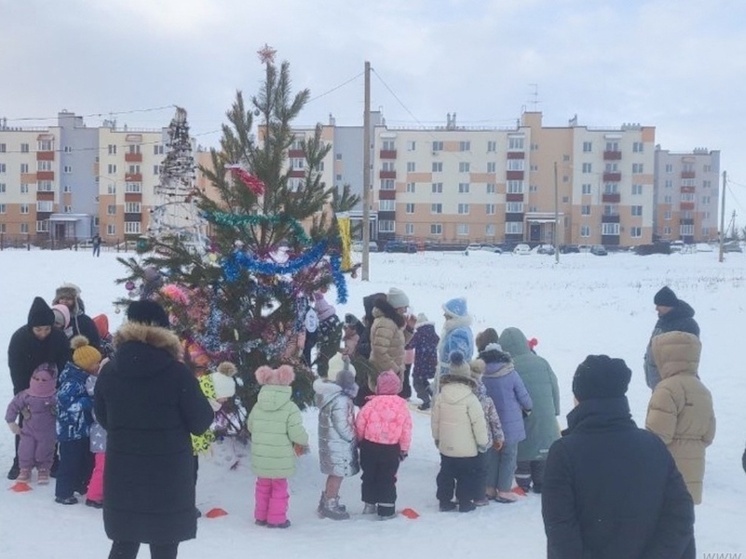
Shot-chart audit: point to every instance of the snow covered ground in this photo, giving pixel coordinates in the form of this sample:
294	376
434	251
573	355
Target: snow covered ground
586	304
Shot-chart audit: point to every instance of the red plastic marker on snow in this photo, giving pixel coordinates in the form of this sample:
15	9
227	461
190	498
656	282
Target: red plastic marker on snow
20	487
410	513
216	513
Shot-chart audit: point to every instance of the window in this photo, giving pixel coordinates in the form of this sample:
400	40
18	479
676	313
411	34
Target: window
464	166
24	188
111	188
409	208
44	186
24	148
587	168
133	187
611	209
688	182
389	145
635	232
338	178
707	168
133	148
669	168
489	230
587	147
491	166
491	188
585	210
667	231
67	169
156	170
42	226
297	163
462	229
437	167
463	209
409	228
610	229
437	146
46	145
636	211
158	149
386	226
132	207
515	143
437	188
637	147
24	227
586	188
514	228
611	188
637	168
706	184
687	196
2	148
339	157
42	165
2	188
411	187
411	145
636	189
131	227
611	167
388	166
514	208
463	188
44	206
2	208
436	229
585	230
436	208
112	149
410	167
24	209
68	209
668	183
387	205
706	200
516	165
667	215
388	184
111	209
491	145
67	188
24	167
686	230
612	146
489	209
515	187
111	230
111	169
464	146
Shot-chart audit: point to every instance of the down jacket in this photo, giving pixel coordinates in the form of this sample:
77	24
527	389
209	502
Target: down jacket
457	421
542	428
275	425
385	419
678	319
337	442
680	410
387	341
506	389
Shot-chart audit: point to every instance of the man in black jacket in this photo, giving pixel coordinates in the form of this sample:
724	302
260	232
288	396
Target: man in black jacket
33	344
674	315
612	490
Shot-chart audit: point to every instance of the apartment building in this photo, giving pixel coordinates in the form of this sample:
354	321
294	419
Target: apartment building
686	195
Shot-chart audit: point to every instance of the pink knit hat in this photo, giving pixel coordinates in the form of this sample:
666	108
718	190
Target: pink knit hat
43	382
388	383
63	313
281	376
323	309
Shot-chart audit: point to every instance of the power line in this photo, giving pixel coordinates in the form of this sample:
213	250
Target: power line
335	88
105	114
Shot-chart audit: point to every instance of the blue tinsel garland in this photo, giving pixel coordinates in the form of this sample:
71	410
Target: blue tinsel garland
231	266
339	278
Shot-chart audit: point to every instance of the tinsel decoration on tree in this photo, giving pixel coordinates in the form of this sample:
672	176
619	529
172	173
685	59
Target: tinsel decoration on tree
271	244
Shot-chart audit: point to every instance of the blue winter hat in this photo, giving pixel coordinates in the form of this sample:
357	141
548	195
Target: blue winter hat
456	307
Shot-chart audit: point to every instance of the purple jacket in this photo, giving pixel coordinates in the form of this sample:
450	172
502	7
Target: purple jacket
508	392
39	416
424	342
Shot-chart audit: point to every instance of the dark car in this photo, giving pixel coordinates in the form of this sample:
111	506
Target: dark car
568	249
599	250
401	246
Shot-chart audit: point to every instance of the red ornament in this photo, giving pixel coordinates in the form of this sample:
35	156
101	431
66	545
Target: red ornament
252	183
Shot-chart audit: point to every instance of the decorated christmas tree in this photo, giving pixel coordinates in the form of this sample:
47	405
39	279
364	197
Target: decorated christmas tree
243	295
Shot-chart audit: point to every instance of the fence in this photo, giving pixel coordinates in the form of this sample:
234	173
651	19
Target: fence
44	242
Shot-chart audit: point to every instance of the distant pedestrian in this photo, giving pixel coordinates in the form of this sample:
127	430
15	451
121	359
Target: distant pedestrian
97	245
673	315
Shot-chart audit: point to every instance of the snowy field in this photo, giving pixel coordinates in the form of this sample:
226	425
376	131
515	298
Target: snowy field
586	304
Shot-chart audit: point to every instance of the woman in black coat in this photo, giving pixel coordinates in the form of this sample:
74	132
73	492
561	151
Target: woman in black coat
149	403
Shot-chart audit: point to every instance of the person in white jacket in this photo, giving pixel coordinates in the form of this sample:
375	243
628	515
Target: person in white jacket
460	432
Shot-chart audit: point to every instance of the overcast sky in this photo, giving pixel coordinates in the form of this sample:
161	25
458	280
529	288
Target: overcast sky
678	65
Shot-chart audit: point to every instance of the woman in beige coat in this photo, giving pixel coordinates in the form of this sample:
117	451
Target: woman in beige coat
680	410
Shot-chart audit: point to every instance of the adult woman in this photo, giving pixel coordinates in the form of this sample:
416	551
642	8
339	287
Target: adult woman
149	403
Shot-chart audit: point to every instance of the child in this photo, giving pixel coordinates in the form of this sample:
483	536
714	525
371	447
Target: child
495	434
107	341
680	411
351	332
62	319
74	418
460	432
337	443
277	435
97	436
384	431
36	405
425	345
329	333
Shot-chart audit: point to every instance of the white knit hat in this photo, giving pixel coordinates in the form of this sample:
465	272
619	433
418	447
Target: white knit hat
397	298
222	380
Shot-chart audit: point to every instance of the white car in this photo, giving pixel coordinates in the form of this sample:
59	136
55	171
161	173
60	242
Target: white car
522	249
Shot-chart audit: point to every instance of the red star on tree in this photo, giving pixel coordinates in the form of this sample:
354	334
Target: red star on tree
266	54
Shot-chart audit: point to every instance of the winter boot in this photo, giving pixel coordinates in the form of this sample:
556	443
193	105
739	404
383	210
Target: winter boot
370	508
24	475
386	511
14	470
42	476
332	509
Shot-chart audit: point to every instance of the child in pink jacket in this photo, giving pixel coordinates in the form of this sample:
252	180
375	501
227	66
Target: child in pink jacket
384	431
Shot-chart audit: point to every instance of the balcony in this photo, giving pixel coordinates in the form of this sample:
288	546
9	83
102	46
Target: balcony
688	189
688	174
514	217
612	177
686	221
42	195
514	175
133	177
297	174
133	217
611	198
296	153
610	240
133	157
610	218
612	155
45	175
387	154
133	196
387	194
386	216
387	174
686	206
512	197
516	155
45	156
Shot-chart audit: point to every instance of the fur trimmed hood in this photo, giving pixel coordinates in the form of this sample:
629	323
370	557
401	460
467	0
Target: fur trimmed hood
383	308
453	322
155	336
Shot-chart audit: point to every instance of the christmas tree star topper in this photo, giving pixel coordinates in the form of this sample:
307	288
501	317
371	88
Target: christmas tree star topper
266	54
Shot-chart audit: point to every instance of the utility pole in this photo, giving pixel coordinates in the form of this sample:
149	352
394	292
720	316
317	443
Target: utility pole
722	217
366	177
556	216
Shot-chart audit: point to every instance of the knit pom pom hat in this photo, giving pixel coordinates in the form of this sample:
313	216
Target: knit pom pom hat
222	380
85	355
281	376
388	383
457	365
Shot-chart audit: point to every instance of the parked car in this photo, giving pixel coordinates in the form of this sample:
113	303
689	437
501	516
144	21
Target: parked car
544	249
568	249
472	247
401	246
732	246
522	249
584	248
654	248
599	250
492	248
704	247
677	246
357	246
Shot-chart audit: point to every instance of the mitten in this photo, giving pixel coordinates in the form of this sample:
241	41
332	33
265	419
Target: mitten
13	426
300	450
402	456
526	413
497	445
